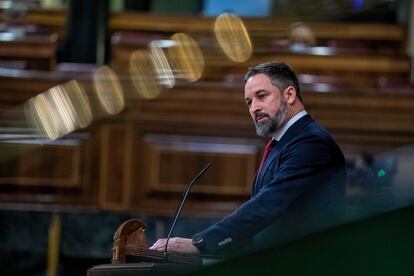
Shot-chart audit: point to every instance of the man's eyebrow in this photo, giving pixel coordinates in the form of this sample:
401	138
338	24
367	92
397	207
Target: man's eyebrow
260	91
256	93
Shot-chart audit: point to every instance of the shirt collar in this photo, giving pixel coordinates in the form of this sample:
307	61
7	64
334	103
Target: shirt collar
280	132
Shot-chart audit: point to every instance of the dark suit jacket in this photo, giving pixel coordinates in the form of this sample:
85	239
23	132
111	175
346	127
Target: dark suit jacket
300	187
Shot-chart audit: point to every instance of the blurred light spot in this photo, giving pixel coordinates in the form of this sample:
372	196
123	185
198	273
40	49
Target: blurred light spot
59	111
38	111
165	43
80	103
358	5
143	75
53	113
162	67
233	37
381	173
109	90
187	56
63	108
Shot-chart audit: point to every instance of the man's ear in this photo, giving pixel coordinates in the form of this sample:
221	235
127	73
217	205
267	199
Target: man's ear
290	94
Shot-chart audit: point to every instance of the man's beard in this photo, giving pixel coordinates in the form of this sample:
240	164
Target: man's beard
273	123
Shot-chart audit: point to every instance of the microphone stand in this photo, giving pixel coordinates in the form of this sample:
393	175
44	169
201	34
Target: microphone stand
180	207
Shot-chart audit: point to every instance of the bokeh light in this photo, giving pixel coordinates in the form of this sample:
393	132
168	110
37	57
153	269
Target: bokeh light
80	103
109	90
38	111
187	56
59	111
162	67
143	75
52	113
233	37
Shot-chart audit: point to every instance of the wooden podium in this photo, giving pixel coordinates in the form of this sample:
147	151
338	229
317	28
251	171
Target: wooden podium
131	256
143	268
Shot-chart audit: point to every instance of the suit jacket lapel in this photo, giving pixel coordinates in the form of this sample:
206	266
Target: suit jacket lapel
294	129
290	133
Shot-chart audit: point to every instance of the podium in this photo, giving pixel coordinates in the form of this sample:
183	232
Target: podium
131	256
142	268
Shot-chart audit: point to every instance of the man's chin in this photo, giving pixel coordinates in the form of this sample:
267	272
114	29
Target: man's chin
263	131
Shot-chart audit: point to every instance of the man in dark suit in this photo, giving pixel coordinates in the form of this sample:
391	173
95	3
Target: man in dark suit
299	187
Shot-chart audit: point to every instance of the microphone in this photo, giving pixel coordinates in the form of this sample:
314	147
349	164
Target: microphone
180	207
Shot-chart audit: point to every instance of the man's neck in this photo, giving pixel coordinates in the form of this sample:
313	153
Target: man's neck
277	135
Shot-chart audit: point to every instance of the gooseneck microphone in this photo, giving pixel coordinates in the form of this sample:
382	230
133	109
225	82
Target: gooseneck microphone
180	207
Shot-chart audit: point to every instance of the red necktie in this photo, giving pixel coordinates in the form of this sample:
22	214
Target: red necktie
266	152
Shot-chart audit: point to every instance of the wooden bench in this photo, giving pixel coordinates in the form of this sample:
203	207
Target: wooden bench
48	20
270	27
267	31
362	64
343	49
37	51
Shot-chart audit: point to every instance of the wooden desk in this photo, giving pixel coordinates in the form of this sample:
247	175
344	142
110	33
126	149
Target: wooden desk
51	20
38	51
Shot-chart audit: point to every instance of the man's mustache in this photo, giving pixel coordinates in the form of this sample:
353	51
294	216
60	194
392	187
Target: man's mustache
258	115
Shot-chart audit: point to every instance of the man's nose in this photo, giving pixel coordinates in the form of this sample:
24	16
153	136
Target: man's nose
255	106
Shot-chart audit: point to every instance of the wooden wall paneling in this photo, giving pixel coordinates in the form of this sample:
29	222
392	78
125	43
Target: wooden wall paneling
57	166
177	159
165	163
114	166
51	173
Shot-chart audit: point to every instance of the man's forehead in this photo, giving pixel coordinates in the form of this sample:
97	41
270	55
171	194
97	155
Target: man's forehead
258	78
258	81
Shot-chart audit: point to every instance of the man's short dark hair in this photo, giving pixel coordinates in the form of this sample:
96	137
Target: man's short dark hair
280	74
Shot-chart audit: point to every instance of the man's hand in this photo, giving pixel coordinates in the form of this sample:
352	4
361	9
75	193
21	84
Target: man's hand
176	244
